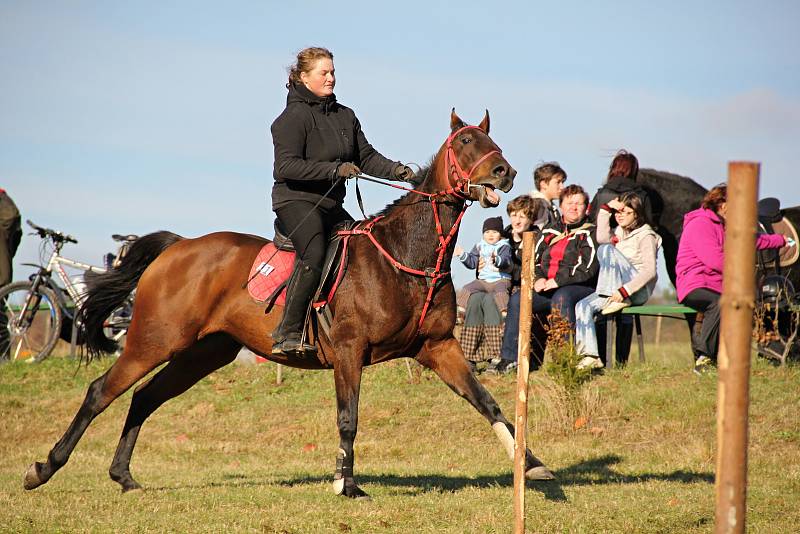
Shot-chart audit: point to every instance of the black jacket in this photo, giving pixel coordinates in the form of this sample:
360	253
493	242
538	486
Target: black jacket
615	188
311	137
568	256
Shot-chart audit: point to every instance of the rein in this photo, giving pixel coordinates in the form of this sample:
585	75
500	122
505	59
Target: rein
459	183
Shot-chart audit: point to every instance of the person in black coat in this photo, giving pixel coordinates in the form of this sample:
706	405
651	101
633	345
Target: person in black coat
318	145
622	174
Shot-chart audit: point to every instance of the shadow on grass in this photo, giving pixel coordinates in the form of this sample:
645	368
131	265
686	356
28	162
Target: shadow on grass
590	472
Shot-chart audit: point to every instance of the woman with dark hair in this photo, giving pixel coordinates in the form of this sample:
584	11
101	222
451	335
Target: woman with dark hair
621	179
627	257
699	268
318	145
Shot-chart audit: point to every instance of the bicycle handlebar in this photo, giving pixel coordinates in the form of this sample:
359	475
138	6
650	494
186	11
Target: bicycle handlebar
56	236
59	237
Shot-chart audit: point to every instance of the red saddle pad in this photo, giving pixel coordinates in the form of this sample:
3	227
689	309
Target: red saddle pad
268	271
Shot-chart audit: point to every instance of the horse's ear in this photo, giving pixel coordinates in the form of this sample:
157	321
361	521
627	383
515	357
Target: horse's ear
455	121
484	125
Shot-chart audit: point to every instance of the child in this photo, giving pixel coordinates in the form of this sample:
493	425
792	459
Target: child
627	270
495	251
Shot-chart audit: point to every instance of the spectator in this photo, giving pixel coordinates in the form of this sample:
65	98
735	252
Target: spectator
10	236
548	178
627	258
492	274
521	210
621	179
482	300
699	268
566	265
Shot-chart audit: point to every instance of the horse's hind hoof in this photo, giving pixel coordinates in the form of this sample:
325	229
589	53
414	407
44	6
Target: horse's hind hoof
357	494
539	473
32	479
132	487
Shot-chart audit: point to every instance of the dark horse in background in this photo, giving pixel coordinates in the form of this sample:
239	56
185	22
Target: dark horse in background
673	196
193	313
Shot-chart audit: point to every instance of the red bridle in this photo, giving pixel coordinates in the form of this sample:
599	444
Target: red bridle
459	182
454	168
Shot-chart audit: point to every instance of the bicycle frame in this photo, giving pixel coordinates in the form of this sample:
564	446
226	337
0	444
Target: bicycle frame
56	264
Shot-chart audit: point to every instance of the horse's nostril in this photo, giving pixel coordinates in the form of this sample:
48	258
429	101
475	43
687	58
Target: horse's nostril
500	171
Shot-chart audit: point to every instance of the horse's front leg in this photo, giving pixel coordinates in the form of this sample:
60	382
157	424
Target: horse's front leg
347	376
446	359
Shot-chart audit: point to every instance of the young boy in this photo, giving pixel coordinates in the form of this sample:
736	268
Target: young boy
493	277
548	178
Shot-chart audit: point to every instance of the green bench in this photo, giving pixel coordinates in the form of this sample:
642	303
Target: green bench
655	310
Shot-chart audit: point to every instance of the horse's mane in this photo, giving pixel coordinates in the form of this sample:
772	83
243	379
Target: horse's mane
422	176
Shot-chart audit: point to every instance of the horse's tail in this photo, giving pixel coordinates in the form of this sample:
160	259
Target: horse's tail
107	291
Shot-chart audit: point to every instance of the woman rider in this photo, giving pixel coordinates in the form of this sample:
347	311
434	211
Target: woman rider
318	145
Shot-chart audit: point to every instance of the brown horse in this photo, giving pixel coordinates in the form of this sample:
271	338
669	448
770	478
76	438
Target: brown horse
192	312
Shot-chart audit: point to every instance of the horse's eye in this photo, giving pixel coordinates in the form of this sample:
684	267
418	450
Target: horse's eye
466	140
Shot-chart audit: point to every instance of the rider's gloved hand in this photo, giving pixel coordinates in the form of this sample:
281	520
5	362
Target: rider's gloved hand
347	170
405	173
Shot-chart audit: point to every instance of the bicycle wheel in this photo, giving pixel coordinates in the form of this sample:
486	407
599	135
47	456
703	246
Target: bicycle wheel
28	334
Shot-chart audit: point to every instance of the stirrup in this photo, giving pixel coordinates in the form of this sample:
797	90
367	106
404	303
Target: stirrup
294	346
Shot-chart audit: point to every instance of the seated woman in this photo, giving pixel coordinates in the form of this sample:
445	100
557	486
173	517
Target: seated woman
627	258
699	269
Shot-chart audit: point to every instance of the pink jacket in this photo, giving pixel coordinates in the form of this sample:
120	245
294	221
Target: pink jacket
700	258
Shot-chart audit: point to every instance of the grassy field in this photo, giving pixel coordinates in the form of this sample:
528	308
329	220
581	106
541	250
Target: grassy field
239	453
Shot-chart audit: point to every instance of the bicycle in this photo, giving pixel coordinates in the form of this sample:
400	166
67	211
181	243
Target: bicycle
37	312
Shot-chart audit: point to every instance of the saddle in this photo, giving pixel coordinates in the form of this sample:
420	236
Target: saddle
275	262
772	221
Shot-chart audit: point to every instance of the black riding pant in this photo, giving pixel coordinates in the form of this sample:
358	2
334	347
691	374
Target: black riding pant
706	301
308	228
310	236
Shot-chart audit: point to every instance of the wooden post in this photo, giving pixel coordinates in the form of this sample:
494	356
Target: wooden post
737	303
279	377
523	368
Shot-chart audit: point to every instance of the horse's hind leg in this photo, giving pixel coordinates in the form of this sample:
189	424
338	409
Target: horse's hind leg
125	372
180	374
447	360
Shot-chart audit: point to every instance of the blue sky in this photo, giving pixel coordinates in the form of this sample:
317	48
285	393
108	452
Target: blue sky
120	117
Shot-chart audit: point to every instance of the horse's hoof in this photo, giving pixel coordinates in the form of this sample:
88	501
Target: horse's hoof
32	479
539	473
356	493
349	490
132	487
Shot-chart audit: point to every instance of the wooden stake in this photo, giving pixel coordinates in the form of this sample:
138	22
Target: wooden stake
737	303
523	367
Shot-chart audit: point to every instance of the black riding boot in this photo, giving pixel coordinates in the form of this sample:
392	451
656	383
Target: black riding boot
288	336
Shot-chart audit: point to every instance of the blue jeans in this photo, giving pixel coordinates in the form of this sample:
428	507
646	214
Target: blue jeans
615	271
511	331
562	298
